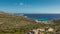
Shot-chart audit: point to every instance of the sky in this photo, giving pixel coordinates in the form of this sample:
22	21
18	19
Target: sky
30	6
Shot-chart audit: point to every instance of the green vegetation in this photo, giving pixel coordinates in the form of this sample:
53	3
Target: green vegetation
25	29
11	23
17	24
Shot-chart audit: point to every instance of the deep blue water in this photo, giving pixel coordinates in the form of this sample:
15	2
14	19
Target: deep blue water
43	16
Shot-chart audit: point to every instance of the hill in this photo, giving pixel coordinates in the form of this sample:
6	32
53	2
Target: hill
8	22
56	21
19	24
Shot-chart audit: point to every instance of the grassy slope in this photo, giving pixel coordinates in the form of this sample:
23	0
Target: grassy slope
11	22
16	24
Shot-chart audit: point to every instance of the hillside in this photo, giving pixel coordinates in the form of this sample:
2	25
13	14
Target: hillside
56	21
8	21
19	24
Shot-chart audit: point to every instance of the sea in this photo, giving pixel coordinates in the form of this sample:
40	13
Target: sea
43	17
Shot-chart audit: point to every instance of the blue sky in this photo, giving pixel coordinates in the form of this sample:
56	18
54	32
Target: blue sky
30	6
